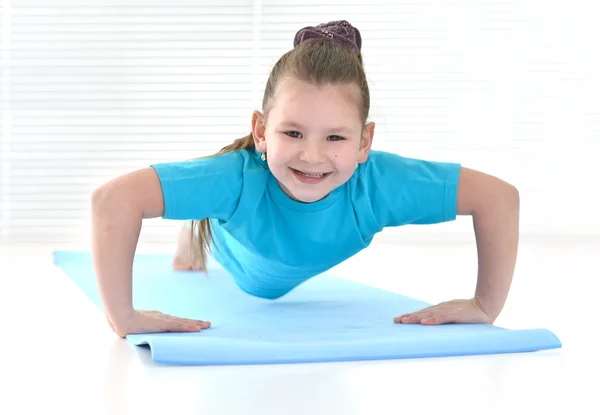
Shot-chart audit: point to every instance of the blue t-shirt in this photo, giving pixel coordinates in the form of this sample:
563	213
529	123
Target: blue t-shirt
271	243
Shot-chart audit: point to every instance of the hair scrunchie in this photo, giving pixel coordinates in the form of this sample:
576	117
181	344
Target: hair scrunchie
339	31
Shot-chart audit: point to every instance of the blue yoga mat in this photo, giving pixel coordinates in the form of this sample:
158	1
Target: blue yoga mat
325	319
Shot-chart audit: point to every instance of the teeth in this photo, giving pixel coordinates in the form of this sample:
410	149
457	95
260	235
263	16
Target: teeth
316	175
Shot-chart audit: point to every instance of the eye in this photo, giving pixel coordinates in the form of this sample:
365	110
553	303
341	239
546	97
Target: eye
338	138
292	132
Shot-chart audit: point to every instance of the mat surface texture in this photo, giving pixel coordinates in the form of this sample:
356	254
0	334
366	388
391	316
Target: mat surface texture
323	320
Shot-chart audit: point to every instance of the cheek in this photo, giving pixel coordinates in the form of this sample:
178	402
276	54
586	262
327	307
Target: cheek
346	157
279	154
272	146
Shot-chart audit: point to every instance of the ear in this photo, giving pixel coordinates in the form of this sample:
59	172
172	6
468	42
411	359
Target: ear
366	142
258	131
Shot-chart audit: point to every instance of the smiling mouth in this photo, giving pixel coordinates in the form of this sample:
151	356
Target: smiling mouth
309	174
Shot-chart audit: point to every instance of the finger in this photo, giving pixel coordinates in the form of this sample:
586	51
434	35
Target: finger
185	320
201	323
402	317
434	320
412	318
405	319
406	316
424	317
194	324
442	317
175	318
418	311
191	321
182	325
431	316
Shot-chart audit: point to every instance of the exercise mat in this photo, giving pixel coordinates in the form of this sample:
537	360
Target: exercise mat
325	319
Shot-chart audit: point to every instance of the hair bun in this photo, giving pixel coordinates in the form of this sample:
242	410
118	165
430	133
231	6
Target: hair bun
339	31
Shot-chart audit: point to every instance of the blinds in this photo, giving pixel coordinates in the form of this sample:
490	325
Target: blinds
94	89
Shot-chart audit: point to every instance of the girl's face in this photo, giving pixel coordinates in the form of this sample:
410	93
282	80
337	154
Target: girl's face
314	137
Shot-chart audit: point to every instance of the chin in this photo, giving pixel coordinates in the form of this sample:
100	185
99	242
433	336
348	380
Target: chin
305	196
309	198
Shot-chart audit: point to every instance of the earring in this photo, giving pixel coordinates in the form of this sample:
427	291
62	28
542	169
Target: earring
263	156
357	164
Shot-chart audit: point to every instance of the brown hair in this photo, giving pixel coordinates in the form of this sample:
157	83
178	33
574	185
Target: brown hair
319	62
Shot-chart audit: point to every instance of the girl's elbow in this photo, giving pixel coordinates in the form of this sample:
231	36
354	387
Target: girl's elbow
512	196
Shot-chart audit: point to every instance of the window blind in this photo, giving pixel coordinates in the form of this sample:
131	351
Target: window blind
94	89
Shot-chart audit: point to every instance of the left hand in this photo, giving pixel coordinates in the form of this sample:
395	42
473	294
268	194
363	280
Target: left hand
455	311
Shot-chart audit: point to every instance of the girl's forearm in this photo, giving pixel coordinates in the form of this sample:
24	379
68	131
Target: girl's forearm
116	226
496	226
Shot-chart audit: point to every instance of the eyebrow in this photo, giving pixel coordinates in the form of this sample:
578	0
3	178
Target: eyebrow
330	130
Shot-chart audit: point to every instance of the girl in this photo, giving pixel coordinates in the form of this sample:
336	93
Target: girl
300	194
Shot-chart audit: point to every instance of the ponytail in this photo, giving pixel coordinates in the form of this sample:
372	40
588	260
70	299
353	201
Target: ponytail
201	245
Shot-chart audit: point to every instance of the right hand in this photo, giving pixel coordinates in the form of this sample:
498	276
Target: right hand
148	321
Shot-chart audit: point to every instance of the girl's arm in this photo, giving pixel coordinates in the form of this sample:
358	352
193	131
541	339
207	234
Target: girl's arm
494	205
118	208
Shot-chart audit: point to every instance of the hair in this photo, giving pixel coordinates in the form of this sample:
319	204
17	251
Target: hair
319	62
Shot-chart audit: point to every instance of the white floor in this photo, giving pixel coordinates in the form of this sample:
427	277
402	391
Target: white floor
58	353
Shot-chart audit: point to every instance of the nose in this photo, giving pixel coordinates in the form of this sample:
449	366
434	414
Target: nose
312	152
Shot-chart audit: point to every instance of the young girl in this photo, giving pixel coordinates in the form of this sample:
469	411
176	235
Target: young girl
300	194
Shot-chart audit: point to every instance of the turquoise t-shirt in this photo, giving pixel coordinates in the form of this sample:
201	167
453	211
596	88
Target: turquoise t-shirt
271	243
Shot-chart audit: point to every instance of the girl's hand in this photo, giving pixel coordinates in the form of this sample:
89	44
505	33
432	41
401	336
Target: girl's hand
146	321
455	311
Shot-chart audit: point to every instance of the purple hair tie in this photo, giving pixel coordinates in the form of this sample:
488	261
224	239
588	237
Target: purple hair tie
340	32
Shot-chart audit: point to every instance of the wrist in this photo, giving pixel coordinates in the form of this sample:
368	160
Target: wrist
121	315
122	323
484	305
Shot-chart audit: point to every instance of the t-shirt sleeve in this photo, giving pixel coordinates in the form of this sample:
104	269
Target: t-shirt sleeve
201	188
411	191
